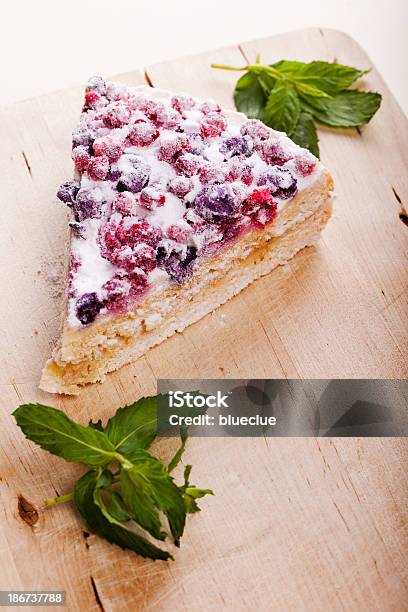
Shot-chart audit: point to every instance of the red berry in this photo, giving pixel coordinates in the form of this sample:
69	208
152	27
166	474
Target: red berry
145	257
125	204
171	147
305	164
187	164
211	173
116	115
116	290
126	231
81	158
239	170
138	231
180	186
274	152
91	98
182	103
255	129
161	115
123	258
213	125
260	206
108	147
98	167
116	92
152	197
143	133
209	106
141	256
179	231
138	281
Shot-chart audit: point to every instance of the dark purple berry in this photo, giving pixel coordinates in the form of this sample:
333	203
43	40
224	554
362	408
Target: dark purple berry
179	268
88	307
280	182
68	191
196	144
82	136
134	176
161	254
191	255
114	174
96	83
237	145
216	203
86	206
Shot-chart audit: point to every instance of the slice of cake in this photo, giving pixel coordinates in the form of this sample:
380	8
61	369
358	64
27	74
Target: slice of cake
176	206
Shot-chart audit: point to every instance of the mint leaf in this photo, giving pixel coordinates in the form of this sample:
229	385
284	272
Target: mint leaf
347	109
55	432
115	506
249	96
113	502
267	82
318	88
191	492
148	488
305	134
311	90
134	426
329	77
282	108
88	500
179	453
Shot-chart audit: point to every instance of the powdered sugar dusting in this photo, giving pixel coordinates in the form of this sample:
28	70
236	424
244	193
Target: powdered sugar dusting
164	181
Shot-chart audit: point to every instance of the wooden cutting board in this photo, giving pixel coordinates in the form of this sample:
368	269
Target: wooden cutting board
296	524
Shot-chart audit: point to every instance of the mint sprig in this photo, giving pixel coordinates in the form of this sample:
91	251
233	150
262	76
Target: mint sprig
128	492
289	95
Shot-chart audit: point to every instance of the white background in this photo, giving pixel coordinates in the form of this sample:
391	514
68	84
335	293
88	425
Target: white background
52	44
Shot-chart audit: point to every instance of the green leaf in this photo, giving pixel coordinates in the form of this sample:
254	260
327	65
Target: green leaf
115	506
311	90
148	488
191	492
134	426
282	108
305	134
55	432
249	96
267	82
179	453
88	500
329	77
346	109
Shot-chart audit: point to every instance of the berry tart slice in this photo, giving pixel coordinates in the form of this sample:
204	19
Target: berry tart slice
176	206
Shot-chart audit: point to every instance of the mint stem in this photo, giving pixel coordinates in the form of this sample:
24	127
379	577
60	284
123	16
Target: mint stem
61	499
221	67
257	68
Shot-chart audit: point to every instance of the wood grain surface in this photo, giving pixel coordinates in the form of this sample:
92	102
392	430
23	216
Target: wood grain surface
296	524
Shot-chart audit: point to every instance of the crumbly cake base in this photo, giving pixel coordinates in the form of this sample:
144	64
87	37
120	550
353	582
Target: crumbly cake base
87	354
